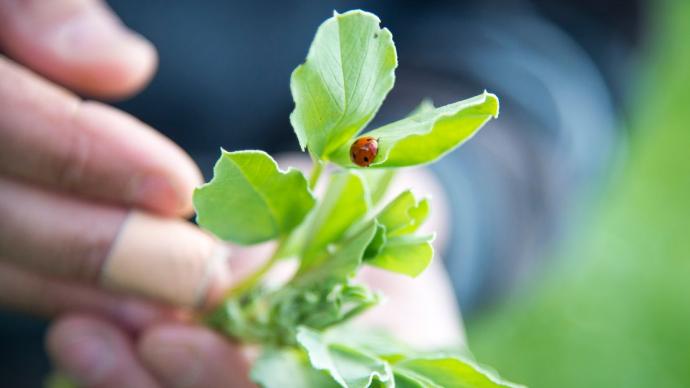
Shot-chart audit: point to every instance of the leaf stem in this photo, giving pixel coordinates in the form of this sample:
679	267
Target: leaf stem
316	173
251	280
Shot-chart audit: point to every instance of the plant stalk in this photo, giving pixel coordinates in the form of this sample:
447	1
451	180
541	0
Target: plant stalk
251	280
316	173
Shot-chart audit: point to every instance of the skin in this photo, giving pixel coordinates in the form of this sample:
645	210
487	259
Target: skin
71	169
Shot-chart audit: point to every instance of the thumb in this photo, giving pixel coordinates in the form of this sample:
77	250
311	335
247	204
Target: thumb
80	44
167	259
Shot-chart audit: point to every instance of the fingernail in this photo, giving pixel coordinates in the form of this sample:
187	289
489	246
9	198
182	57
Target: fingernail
175	360
218	275
91	33
87	356
166	259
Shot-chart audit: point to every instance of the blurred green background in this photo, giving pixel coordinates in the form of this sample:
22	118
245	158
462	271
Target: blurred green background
615	310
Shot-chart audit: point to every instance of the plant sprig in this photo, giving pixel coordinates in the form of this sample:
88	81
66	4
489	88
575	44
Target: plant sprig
349	70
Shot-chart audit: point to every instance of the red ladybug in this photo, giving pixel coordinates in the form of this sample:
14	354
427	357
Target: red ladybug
364	150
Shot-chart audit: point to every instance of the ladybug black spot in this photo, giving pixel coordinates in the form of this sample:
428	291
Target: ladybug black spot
366	159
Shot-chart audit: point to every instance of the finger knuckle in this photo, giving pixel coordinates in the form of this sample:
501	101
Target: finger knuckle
70	169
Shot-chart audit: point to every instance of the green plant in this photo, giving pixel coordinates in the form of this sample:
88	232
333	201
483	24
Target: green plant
348	72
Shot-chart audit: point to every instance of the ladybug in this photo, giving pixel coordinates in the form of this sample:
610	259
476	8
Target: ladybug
364	150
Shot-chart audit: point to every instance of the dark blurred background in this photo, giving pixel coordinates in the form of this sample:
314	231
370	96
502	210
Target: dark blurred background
547	201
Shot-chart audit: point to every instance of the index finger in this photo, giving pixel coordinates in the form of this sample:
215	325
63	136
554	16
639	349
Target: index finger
53	138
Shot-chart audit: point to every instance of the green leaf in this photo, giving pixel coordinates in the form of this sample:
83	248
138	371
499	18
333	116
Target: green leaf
334	297
376	182
392	247
338	304
320	305
351	368
271	317
426	105
319	297
408	255
428	135
377	242
374	340
249	200
344	203
350	68
418	214
288	369
343	262
404	215
447	372
403	380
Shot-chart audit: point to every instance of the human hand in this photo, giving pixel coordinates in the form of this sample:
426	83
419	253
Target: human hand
71	170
